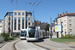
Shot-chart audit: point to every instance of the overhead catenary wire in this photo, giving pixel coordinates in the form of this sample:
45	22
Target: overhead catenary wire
33	4
12	3
38	4
16	4
35	8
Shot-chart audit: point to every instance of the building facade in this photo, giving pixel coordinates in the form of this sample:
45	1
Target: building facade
52	29
67	21
17	20
40	25
1	26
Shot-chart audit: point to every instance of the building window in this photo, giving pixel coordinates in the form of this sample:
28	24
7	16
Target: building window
64	23
14	23
69	18
55	22
9	23
9	18
70	28
61	20
8	29
22	22
23	13
18	23
29	23
15	13
65	28
64	19
70	32
29	19
69	22
19	13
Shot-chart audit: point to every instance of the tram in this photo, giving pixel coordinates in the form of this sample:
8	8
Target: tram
34	34
23	34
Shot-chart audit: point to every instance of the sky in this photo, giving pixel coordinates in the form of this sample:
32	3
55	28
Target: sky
43	9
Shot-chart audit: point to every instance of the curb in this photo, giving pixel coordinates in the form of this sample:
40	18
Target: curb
14	44
3	44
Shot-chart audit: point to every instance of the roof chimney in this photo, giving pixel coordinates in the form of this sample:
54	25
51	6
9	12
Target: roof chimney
58	15
66	12
63	13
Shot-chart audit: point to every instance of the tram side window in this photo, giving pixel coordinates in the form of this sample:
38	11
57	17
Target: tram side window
39	33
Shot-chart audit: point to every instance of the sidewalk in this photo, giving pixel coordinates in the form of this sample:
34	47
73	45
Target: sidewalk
2	44
9	45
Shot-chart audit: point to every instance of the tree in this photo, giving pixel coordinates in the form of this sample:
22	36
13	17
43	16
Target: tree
47	27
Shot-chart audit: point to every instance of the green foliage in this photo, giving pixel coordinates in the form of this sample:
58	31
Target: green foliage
11	38
67	37
47	27
62	40
15	36
6	36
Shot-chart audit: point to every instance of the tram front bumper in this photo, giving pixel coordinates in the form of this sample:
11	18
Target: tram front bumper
32	39
22	38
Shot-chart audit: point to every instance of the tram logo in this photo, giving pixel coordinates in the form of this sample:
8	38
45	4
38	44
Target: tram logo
31	33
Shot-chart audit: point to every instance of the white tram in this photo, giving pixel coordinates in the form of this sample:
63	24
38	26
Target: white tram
32	34
23	33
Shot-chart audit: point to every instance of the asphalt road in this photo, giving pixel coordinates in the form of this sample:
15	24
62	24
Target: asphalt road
24	45
43	44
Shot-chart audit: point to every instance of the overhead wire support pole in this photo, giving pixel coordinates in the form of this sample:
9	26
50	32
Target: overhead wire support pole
33	15
51	26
